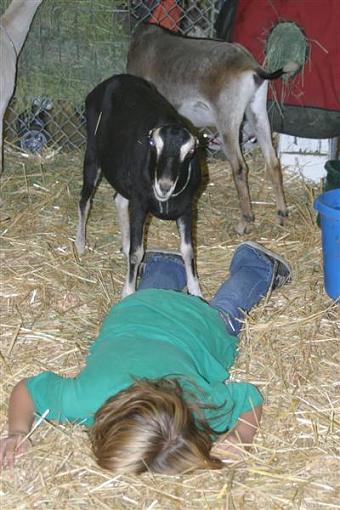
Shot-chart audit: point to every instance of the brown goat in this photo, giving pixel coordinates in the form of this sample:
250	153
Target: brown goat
213	83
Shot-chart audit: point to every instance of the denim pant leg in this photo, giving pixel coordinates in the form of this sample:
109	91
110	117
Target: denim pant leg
163	271
250	278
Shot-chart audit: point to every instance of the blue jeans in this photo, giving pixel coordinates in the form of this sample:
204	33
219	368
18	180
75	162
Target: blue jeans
249	280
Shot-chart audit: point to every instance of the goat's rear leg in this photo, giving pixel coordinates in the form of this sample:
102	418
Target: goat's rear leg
184	225
240	176
257	115
90	180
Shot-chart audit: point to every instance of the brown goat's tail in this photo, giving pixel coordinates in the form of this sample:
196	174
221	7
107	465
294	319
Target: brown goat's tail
290	67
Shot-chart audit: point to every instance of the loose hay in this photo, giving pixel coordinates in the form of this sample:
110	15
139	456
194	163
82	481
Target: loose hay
53	302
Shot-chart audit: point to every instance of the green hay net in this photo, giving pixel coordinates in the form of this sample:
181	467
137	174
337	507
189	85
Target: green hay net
285	43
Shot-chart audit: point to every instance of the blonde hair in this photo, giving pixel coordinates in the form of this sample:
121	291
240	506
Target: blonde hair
150	427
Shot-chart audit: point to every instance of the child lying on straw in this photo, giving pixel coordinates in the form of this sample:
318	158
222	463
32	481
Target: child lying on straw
155	390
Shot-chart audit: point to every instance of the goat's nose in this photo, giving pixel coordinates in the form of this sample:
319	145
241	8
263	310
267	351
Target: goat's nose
165	187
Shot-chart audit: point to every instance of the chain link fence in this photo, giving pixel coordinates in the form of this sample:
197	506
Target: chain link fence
72	46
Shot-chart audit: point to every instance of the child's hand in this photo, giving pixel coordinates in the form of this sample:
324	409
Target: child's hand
10	447
238	440
231	446
20	418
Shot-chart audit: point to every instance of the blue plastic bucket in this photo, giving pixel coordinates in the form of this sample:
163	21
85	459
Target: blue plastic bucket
328	205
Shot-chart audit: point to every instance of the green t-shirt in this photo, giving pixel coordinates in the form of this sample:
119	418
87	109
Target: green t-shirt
152	334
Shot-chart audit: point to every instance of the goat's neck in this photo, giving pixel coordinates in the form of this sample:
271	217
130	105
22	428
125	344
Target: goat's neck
17	20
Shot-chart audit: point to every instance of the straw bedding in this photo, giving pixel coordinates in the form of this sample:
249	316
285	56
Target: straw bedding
52	303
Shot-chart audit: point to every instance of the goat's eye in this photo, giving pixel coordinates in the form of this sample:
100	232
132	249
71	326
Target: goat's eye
150	138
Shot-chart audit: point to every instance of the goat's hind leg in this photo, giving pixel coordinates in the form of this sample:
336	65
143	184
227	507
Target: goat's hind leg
90	180
257	115
240	176
184	225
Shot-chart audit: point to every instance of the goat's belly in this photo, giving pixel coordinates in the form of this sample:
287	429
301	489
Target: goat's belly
198	112
164	211
165	216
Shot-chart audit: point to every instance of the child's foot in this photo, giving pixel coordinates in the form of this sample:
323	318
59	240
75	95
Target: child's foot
162	256
162	270
282	271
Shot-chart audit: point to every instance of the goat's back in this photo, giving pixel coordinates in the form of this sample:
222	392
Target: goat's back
197	76
154	50
130	104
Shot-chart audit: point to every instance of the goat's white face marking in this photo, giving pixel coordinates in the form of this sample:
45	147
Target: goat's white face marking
158	141
167	183
164	187
187	147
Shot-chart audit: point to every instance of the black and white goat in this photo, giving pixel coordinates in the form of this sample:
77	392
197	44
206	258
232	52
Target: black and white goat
213	83
147	152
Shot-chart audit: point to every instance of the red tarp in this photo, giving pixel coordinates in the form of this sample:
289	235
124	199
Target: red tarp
319	84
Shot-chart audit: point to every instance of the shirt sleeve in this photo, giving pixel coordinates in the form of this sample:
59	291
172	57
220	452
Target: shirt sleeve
245	397
56	394
235	399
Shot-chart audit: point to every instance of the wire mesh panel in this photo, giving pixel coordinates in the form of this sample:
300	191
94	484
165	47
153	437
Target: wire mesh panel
193	18
71	47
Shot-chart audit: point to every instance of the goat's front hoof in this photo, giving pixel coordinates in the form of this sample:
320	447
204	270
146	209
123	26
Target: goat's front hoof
244	227
194	289
281	216
127	290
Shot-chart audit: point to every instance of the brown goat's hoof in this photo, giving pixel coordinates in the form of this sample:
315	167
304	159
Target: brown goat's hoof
281	216
243	228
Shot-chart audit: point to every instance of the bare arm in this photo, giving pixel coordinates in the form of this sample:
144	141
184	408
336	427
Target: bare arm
20	418
242	435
